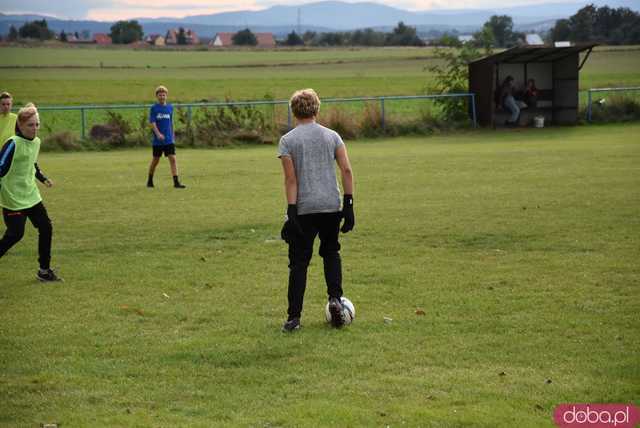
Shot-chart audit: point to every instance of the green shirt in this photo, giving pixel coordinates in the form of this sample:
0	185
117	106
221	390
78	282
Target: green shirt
18	190
7	127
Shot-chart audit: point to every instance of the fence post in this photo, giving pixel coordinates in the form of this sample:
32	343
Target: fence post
589	105
473	110
289	115
382	121
83	121
189	114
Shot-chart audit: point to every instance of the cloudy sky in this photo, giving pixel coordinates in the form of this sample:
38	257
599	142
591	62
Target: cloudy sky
107	10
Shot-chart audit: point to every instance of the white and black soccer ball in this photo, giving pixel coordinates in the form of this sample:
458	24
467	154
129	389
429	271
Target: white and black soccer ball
348	311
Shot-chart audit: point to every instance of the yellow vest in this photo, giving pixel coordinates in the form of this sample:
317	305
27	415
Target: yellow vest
18	189
7	127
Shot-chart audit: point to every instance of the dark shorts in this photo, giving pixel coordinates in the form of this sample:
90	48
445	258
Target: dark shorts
167	149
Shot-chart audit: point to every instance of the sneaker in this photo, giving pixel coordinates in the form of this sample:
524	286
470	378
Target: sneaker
179	186
48	275
291	325
335	309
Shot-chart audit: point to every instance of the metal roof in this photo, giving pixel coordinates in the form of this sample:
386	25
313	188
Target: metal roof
527	54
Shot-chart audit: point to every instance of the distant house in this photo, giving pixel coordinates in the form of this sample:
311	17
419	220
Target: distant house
80	38
265	40
465	38
172	36
221	40
155	40
101	39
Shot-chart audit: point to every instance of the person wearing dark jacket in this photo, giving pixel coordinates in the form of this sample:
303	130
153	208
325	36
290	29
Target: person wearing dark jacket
19	194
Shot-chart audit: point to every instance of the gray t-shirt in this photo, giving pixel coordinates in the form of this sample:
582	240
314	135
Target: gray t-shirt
312	147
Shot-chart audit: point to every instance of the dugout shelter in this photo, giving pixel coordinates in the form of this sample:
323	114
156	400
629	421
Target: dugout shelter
556	71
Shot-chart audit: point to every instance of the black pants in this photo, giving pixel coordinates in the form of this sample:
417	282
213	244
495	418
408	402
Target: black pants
326	226
15	221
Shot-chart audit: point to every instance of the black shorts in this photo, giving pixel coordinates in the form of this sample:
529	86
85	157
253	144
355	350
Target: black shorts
167	149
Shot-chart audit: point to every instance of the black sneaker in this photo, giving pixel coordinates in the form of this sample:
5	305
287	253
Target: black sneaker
291	325
48	275
335	309
179	186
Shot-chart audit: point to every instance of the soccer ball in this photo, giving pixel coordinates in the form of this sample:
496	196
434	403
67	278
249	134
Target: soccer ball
348	311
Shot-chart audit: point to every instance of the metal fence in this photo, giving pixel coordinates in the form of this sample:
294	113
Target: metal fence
590	93
83	110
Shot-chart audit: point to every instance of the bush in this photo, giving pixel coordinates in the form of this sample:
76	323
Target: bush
340	121
617	108
231	124
140	134
371	124
64	140
114	133
452	76
106	135
186	134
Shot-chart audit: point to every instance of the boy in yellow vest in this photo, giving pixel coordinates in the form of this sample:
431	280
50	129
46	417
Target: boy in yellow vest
19	195
7	119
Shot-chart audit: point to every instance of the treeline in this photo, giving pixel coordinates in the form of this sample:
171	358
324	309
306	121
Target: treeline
402	35
603	25
497	32
31	30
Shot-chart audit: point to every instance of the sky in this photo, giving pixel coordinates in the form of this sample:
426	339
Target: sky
111	10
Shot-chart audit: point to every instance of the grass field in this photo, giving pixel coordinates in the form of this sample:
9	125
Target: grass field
520	247
68	76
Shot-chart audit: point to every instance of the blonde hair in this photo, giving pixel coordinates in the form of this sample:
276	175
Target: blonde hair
5	95
305	103
162	88
27	112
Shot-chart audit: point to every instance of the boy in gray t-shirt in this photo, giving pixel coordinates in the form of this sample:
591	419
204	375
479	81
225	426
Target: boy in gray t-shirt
309	153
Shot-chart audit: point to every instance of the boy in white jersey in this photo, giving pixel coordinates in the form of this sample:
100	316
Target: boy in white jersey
308	154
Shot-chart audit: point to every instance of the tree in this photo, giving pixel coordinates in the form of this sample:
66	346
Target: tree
125	32
404	35
367	37
63	36
601	25
332	39
36	30
561	31
308	37
293	39
244	38
182	37
484	39
628	32
448	40
13	34
502	28
582	24
452	76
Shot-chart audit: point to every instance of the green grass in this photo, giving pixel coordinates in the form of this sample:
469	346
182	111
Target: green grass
68	76
521	247
94	75
74	76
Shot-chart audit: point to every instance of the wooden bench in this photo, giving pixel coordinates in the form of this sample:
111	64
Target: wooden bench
544	107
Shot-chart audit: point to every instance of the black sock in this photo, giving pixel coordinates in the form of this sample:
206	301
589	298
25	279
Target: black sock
175	180
150	179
